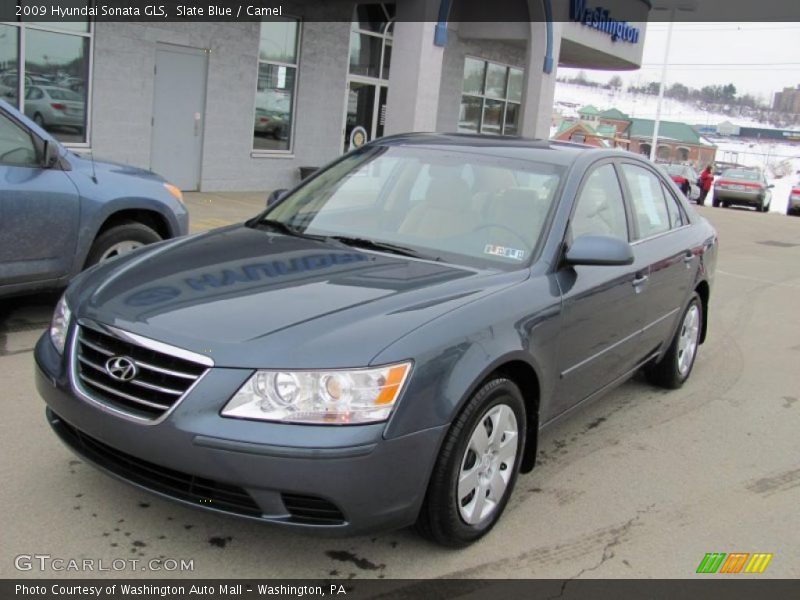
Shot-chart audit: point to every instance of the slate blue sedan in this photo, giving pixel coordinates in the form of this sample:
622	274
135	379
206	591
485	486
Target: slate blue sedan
382	346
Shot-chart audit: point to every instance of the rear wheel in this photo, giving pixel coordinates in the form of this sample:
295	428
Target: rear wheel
477	467
715	201
38	119
120	240
676	365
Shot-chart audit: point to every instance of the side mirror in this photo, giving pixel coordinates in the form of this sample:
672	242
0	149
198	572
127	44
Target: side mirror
49	154
275	196
770	186
599	250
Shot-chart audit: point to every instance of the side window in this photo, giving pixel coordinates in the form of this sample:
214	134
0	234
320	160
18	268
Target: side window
649	208
676	216
16	144
600	209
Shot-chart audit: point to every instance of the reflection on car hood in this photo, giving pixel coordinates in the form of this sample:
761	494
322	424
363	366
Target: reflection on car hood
251	298
107	166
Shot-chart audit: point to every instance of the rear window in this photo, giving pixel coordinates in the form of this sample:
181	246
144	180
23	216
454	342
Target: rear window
63	94
741	174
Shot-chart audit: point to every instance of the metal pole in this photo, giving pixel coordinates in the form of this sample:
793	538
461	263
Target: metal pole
654	145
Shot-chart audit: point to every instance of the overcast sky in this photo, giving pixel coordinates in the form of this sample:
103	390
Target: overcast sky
758	58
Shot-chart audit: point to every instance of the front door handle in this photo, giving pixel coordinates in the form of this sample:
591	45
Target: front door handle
640	279
688	257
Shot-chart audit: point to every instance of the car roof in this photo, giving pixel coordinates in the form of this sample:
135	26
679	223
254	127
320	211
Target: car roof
551	151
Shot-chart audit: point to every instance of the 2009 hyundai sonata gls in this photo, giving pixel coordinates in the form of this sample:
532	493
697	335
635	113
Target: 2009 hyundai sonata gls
382	345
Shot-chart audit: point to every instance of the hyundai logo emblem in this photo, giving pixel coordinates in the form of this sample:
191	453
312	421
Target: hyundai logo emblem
121	368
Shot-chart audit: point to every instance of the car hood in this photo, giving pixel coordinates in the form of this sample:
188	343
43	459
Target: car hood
250	298
107	167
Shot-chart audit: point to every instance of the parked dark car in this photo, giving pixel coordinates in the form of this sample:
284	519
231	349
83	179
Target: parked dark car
60	212
383	345
743	187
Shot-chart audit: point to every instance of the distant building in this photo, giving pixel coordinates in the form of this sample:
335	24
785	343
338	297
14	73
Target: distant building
788	100
727	128
677	142
584	132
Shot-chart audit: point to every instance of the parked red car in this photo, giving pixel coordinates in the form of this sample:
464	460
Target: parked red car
793	207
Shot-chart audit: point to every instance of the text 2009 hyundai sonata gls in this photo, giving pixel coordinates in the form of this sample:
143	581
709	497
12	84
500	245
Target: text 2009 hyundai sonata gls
383	344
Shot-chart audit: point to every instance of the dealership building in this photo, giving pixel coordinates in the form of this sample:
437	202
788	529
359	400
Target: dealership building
244	105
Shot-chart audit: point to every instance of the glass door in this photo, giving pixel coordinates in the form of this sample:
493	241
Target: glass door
360	110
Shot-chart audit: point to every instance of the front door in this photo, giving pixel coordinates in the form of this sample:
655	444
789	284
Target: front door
366	107
178	110
39	210
603	309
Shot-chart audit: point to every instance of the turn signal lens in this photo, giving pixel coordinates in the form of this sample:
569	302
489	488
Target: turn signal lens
178	195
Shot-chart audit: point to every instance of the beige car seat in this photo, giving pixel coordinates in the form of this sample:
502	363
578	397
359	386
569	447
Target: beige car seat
446	210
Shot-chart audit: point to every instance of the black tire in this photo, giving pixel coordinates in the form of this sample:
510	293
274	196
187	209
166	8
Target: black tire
39	120
763	207
440	519
666	373
715	202
133	232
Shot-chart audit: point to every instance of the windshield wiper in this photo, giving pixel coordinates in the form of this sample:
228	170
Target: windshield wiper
382	246
287	229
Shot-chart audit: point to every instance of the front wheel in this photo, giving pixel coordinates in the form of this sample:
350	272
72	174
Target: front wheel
477	466
676	365
120	240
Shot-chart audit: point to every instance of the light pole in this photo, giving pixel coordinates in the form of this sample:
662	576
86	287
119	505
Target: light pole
661	85
672	6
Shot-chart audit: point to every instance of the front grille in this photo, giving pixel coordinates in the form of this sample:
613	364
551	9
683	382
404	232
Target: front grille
311	510
160	382
176	484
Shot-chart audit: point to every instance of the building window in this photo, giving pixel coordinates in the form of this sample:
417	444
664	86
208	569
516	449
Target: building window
50	81
491	98
276	88
371	40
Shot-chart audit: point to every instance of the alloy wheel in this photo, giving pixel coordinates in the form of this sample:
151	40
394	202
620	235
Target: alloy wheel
487	464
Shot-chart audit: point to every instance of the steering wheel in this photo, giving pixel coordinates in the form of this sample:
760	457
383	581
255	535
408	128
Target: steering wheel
505	228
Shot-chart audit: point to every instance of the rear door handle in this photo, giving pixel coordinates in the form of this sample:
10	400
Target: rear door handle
688	257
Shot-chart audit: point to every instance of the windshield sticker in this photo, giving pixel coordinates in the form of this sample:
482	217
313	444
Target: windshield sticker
505	252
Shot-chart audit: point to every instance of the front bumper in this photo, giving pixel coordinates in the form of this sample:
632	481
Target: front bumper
344	480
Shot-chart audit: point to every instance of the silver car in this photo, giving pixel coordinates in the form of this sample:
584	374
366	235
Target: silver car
51	106
743	187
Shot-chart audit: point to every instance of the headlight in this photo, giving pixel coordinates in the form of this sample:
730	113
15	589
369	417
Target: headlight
60	324
329	397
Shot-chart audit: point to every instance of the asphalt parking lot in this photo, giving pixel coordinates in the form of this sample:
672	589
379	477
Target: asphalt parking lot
641	483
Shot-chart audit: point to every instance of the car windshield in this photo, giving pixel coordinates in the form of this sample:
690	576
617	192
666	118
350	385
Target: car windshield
741	174
444	204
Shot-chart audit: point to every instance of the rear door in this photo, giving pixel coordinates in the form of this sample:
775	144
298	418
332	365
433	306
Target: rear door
663	242
603	311
38	209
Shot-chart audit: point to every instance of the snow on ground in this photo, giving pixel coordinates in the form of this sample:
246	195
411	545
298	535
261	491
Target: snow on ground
780	161
640	106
